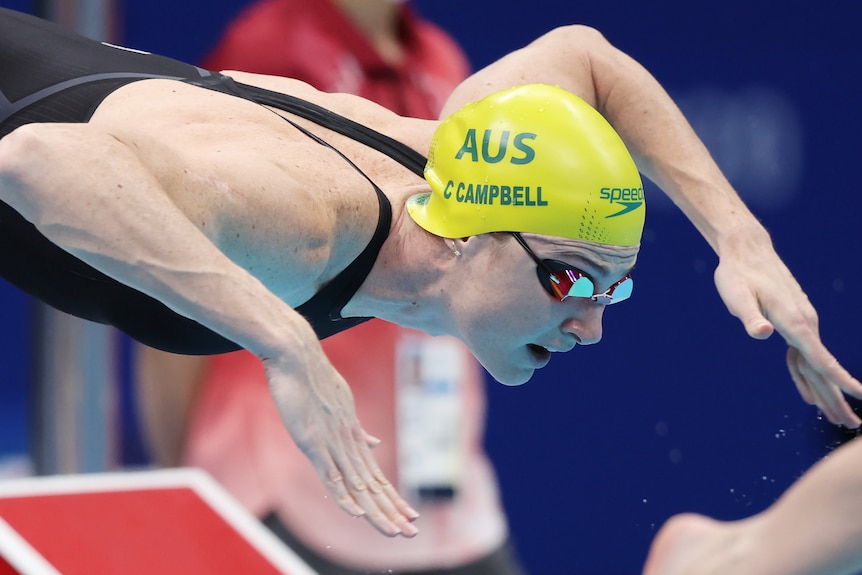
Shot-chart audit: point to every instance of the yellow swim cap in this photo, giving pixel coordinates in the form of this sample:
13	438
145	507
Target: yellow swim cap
532	158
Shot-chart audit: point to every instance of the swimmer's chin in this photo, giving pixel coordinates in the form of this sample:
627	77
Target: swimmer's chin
514	379
509	373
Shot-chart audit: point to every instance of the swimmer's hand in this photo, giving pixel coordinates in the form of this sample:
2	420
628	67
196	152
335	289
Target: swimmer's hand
319	413
758	289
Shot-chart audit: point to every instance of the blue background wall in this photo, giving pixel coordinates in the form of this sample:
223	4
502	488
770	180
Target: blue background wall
676	410
14	334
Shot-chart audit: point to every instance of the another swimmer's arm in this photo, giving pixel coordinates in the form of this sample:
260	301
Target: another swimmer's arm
820	516
815	527
88	193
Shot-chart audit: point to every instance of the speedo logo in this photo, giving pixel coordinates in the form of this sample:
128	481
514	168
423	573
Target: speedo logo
629	198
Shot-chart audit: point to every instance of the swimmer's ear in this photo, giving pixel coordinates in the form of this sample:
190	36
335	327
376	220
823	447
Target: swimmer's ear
458	245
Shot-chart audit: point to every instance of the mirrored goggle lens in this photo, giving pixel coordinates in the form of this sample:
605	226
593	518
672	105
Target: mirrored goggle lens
570	283
620	291
565	281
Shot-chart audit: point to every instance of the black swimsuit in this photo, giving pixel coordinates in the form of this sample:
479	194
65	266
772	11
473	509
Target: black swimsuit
50	75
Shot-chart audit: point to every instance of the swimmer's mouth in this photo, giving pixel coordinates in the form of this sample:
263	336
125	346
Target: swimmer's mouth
541	354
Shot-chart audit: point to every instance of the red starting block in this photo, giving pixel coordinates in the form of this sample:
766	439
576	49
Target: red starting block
169	522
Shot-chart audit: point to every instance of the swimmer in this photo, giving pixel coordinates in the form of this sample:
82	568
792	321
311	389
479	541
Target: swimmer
203	212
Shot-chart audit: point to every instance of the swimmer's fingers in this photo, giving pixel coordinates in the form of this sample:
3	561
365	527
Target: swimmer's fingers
818	376
385	496
757	287
739	292
357	482
316	406
816	387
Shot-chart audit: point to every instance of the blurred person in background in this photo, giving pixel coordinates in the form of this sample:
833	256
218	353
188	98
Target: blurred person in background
216	413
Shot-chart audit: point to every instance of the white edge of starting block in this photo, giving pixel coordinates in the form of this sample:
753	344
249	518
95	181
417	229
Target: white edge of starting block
22	556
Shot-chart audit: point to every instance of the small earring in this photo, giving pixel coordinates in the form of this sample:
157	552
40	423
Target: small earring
453	248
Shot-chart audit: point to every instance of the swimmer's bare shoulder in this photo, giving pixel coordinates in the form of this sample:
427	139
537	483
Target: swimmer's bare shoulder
351	106
260	190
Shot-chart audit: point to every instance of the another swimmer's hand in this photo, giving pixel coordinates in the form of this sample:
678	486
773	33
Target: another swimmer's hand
758	289
319	413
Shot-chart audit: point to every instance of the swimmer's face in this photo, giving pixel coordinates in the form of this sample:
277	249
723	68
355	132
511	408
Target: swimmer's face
513	324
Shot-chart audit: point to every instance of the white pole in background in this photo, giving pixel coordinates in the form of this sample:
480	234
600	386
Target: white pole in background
76	363
95	19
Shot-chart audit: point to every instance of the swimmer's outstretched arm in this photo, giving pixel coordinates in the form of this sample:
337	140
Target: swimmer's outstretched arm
110	211
815	528
754	283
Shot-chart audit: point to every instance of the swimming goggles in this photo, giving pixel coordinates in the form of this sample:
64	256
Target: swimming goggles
563	281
